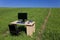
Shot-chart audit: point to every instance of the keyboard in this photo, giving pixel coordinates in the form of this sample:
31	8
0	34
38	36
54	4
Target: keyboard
21	22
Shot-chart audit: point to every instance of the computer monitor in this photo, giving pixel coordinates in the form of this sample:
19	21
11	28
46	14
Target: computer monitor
22	16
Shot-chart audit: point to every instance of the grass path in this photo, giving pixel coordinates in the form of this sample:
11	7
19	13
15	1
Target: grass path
43	26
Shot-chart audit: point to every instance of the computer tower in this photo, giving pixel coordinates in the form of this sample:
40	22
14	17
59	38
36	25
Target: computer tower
13	29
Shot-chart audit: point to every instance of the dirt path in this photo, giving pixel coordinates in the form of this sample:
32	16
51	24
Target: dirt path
43	26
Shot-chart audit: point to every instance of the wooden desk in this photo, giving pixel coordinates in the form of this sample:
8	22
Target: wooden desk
30	26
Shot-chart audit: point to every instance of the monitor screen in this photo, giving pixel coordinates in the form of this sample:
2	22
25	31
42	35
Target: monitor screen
22	16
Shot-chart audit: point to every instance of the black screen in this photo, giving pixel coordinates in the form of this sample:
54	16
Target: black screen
22	15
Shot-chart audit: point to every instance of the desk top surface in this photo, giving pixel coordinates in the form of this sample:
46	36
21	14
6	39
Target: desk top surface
22	23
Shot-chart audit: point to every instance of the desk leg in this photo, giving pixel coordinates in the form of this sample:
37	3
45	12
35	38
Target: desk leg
34	28
29	30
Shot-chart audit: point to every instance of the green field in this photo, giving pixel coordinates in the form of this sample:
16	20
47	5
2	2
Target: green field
52	31
8	15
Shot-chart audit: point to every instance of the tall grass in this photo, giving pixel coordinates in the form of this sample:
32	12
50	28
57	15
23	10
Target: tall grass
52	31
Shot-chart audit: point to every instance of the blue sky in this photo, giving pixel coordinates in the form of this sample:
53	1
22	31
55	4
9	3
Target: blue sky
29	3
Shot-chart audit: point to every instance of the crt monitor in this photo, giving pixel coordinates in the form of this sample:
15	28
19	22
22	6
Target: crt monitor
22	16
